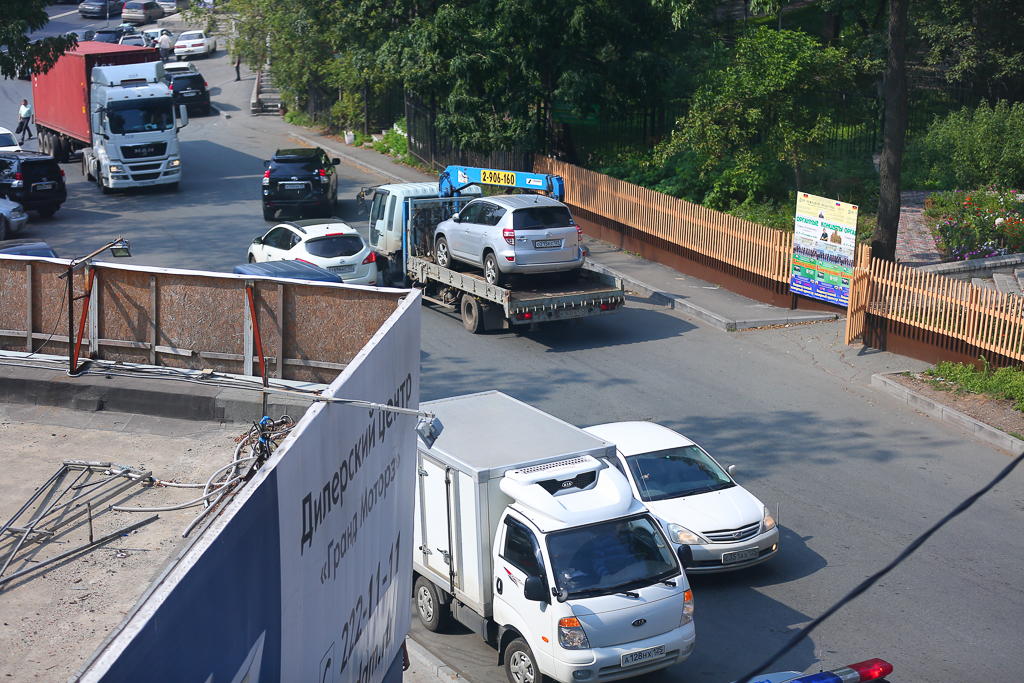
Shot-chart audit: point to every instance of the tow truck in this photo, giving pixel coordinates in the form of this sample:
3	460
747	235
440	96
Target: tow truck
401	230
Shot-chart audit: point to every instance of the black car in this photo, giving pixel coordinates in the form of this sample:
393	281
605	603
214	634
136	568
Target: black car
30	247
109	35
189	89
33	180
302	179
99	9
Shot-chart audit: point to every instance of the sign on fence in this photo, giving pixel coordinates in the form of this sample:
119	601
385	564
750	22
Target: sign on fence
823	248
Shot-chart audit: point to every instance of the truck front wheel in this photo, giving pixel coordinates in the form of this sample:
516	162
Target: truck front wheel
520	666
429	605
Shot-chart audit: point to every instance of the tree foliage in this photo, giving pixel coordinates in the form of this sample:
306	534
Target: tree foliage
22	54
765	102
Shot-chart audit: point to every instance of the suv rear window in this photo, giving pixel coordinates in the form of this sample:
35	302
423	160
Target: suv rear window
335	246
541	217
296	166
188	81
40	168
134	5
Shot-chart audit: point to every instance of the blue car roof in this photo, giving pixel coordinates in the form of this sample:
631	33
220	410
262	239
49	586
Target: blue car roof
294	270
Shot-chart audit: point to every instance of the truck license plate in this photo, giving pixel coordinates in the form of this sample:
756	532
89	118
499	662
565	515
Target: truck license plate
641	656
546	244
740	555
42	186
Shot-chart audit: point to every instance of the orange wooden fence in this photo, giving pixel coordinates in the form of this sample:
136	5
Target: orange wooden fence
755	248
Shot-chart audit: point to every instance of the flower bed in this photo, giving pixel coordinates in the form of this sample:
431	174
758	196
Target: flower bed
979	224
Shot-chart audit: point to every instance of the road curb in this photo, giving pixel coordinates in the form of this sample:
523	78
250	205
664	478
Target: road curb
996	437
678	303
427	659
358	163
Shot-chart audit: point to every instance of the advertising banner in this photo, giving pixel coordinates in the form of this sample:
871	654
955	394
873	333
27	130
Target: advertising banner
307	574
824	245
346	494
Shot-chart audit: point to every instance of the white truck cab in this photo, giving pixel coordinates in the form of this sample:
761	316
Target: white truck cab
539	546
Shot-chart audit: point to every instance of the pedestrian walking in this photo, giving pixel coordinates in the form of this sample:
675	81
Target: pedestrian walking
166	45
24	118
238	68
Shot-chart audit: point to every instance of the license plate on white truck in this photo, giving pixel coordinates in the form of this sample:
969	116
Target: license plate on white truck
641	656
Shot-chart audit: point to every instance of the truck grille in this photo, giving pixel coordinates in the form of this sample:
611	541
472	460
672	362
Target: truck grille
145	176
734	535
151	149
143	167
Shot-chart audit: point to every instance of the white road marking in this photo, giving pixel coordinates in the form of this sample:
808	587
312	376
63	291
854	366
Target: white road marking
66	14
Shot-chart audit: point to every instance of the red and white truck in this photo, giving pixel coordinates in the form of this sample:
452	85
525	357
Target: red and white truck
111	102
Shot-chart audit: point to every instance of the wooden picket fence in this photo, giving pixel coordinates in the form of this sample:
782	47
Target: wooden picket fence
748	246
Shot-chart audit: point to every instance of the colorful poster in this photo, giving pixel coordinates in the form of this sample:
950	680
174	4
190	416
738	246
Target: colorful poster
823	248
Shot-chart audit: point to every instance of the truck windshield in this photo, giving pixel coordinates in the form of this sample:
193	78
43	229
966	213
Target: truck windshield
676	472
609	557
140	117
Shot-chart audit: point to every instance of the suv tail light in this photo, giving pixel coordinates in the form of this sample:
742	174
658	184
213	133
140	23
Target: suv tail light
579	234
170	86
19	180
323	175
510	235
370	259
266	177
204	85
62	173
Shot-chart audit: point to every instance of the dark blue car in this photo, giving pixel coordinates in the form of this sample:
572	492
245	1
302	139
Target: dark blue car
293	270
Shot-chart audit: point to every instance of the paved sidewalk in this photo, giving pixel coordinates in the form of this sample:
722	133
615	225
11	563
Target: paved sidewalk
915	245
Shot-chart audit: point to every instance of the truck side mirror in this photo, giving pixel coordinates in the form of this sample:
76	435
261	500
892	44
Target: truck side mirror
533	589
182	115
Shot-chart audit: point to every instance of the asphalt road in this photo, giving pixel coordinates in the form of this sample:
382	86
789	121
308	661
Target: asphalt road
855	476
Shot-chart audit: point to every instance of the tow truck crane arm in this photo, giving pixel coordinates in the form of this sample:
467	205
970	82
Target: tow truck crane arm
454	179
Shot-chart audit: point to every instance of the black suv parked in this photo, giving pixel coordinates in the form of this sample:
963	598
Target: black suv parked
300	179
33	180
190	90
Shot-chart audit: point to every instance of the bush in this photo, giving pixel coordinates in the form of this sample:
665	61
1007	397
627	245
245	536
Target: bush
1006	383
969	148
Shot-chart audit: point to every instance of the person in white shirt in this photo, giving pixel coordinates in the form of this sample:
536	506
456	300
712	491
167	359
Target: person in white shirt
166	45
25	118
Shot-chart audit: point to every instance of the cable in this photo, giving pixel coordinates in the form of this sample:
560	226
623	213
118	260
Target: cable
63	298
868	582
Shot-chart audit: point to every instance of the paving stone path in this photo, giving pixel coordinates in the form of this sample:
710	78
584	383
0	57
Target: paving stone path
914	243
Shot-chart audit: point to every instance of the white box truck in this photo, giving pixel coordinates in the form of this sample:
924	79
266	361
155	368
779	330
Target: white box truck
525	534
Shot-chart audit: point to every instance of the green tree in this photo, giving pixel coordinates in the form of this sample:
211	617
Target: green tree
21	53
764	103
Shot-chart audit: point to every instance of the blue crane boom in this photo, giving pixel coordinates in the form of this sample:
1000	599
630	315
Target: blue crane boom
454	179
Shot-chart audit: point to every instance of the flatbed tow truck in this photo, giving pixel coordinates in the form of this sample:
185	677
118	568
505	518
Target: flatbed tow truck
402	221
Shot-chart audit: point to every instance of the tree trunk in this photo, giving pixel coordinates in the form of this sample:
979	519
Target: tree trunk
894	100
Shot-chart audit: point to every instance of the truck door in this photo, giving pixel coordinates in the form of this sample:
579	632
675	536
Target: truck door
437	493
377	218
517	556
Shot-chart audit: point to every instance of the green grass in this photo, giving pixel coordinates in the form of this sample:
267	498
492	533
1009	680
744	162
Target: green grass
1004	383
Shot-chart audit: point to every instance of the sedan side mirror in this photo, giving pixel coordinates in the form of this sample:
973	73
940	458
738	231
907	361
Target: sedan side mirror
257	240
533	589
335	162
732	470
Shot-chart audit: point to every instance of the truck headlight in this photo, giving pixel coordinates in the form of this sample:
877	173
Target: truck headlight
687	616
571	635
175	163
114	168
682	536
769	522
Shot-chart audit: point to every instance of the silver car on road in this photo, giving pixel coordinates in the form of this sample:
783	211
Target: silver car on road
510	234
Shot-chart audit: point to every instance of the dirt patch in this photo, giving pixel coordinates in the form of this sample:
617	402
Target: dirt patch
998	413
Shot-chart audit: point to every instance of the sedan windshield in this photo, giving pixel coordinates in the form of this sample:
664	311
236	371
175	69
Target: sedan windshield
7	140
610	557
676	472
335	246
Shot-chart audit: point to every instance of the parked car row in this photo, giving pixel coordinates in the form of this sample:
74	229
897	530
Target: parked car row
134	11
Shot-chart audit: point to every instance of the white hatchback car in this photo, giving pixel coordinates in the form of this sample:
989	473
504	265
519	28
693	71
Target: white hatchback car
328	243
718	524
194	44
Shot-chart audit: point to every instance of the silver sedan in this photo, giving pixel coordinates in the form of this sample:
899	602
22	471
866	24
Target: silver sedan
12	218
